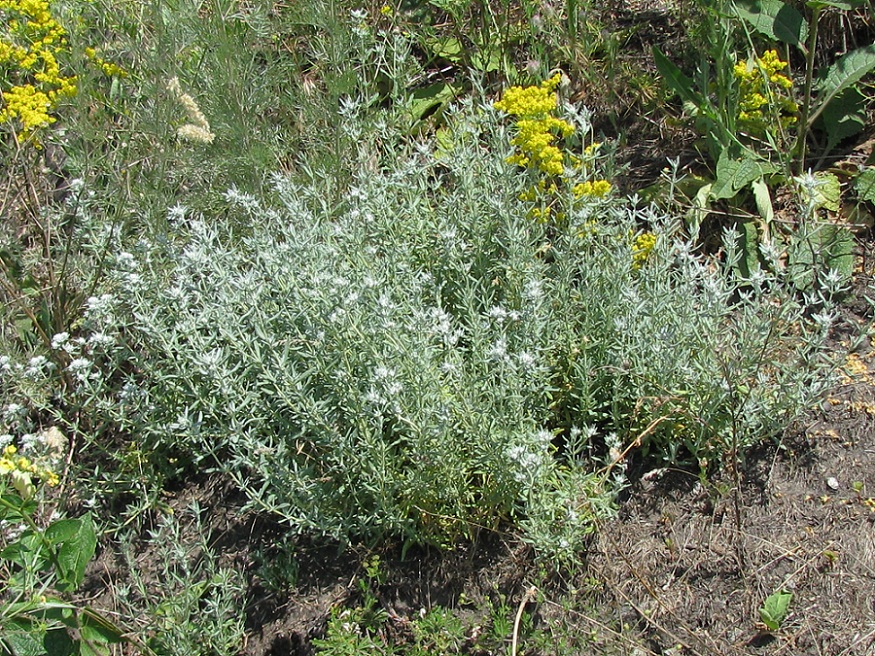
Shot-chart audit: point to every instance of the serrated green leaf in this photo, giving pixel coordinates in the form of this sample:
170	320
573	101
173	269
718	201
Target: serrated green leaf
843	74
775	19
78	542
21	636
864	185
733	175
844	117
823	247
774	609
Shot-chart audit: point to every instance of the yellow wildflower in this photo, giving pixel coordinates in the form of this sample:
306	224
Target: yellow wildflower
538	128
592	149
21	469
6	465
531	101
763	94
641	248
594	188
109	69
27	104
29	46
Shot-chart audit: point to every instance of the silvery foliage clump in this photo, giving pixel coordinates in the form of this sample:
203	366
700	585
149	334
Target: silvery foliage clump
39	366
419	359
192	606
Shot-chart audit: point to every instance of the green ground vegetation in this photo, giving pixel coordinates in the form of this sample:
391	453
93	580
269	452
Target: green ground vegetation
374	264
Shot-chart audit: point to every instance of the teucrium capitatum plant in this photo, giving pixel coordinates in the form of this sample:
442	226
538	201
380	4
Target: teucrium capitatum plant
421	360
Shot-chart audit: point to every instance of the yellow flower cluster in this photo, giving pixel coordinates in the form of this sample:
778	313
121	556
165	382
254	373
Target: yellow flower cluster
592	188
538	128
20	470
30	46
641	248
109	69
764	94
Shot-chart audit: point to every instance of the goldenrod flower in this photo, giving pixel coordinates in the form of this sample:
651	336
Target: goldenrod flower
641	249
109	69
538	128
29	47
763	94
538	131
28	105
594	188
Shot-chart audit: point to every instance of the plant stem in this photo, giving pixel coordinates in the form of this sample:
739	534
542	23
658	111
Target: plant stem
47	544
801	137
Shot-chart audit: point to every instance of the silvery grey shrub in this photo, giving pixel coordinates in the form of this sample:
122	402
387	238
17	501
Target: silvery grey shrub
415	358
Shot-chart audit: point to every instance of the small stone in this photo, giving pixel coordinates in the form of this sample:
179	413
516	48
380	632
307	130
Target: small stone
833	483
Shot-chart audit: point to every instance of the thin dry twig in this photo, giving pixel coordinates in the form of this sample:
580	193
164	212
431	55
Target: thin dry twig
530	594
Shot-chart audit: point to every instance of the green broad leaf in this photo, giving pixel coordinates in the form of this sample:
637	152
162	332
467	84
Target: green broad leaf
449	48
96	629
429	100
63	530
763	200
845	5
696	215
845	117
828	193
675	79
774	19
843	74
77	542
733	175
57	642
774	610
818	249
487	60
864	185
749	245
